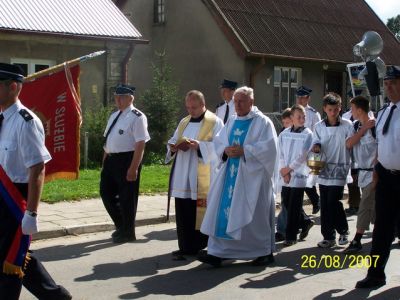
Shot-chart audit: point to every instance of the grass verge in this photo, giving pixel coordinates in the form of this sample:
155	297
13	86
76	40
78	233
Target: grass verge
154	180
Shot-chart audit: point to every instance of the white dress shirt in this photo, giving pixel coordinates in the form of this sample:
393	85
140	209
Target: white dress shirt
389	144
131	127
220	112
312	117
21	143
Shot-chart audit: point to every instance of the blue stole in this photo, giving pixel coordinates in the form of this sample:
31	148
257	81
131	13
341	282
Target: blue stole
236	138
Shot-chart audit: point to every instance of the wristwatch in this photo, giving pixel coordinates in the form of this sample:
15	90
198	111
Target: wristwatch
31	213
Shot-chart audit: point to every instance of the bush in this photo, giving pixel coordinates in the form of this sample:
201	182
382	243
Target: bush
94	122
161	104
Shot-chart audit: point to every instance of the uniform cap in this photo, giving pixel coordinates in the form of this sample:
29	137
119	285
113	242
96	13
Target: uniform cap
11	72
303	91
392	72
124	89
228	84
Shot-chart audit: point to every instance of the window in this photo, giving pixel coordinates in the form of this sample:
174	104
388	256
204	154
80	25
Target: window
286	81
30	66
159	11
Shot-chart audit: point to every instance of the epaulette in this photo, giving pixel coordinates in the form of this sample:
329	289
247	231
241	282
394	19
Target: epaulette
136	112
312	109
26	115
220	104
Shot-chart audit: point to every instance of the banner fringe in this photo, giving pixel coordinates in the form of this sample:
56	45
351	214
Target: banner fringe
62	175
11	269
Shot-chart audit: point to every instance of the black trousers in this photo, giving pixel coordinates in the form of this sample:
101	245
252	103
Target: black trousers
120	197
333	216
387	209
312	195
190	240
37	280
292	199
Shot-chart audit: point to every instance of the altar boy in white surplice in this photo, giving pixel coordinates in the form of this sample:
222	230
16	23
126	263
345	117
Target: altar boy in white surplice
241	210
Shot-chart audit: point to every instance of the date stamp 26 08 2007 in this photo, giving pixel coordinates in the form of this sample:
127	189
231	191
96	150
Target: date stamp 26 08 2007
338	261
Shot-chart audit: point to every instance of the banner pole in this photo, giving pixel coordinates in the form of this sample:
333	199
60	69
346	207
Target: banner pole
61	66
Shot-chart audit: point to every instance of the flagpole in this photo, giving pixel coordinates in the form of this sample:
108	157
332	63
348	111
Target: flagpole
61	66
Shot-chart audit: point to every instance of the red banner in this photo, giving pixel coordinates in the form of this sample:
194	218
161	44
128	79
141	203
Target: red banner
55	100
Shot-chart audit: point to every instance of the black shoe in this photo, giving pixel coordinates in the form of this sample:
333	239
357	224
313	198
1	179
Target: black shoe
306	230
288	243
202	252
370	282
279	237
123	238
215	261
182	252
116	232
316	209
263	260
178	255
354	247
63	294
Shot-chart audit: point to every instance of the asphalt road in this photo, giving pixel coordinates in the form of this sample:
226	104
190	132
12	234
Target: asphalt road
92	267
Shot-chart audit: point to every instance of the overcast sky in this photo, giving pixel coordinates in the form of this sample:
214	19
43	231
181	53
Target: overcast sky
385	9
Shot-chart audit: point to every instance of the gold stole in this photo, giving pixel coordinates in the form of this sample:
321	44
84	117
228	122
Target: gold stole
203	170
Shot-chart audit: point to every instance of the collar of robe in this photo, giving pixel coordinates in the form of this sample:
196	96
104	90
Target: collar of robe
329	125
198	119
298	130
253	112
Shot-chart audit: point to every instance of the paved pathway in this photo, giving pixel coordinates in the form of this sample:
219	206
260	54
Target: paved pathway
89	215
86	216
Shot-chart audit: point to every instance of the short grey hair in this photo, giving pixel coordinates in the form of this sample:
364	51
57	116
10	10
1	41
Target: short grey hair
248	91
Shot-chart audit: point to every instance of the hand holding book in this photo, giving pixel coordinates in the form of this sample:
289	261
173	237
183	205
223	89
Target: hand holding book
182	144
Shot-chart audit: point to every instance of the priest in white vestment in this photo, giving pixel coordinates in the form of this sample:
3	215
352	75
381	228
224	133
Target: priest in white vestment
241	210
191	147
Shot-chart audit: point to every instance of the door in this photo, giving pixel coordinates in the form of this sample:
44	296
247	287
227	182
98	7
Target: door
334	82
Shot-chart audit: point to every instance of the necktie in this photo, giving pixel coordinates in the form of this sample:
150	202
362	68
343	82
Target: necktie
226	113
112	125
386	126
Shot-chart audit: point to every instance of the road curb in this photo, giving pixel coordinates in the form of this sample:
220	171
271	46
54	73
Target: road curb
91	228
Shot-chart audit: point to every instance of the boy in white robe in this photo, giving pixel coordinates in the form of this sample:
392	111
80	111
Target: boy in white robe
330	137
364	147
294	145
190	176
241	211
281	219
303	97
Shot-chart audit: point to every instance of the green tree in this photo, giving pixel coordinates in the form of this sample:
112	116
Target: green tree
394	25
161	104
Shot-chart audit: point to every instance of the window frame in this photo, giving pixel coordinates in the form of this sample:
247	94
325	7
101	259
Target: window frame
159	15
32	63
288	86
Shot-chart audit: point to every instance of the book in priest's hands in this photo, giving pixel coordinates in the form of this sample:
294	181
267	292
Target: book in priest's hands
183	144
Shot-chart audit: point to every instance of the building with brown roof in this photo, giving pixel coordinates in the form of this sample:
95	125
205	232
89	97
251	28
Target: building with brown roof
273	46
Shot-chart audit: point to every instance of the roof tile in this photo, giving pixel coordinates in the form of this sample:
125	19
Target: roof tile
311	29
